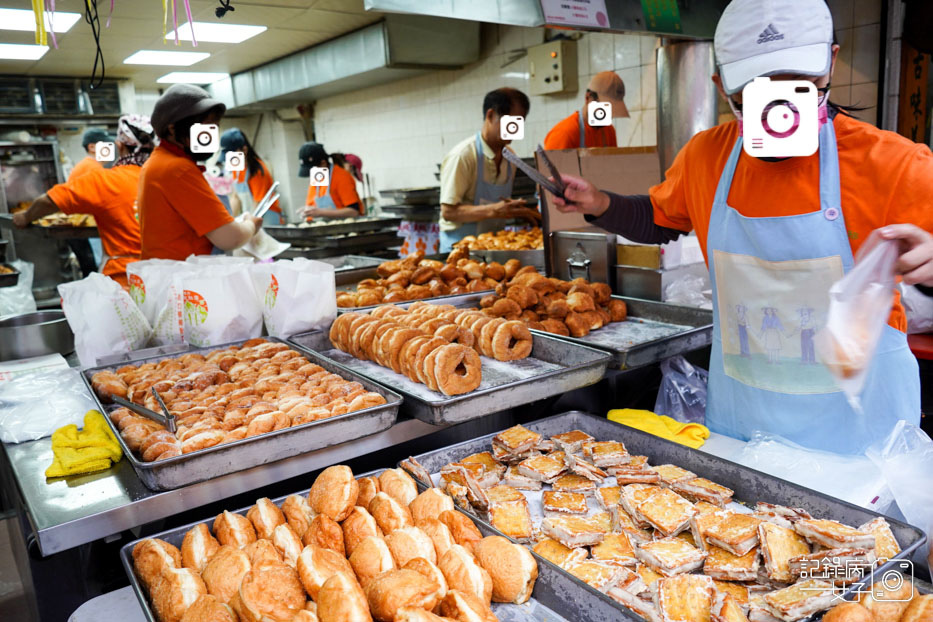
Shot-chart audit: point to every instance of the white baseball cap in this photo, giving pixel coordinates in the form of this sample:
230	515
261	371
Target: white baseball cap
768	37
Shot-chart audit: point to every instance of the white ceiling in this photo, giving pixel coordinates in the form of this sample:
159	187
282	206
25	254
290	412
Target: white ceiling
137	24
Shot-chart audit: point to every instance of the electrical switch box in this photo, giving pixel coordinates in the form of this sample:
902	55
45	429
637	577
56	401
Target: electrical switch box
552	67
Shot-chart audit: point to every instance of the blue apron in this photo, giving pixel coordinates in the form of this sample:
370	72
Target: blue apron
583	133
770	296
325	201
483	193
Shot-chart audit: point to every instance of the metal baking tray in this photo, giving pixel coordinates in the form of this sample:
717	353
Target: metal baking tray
553	367
413	196
527	257
205	464
9	279
375	238
553	598
413	212
359	225
349	263
59	232
750	486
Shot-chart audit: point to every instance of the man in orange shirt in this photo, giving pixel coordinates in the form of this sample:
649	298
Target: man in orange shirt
107	194
335	200
575	132
90	162
179	214
777	232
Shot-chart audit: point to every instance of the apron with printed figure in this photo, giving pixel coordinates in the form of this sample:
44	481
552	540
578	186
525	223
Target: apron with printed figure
483	194
771	277
322	198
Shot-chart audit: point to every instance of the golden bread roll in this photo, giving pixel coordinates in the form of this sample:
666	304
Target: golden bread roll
461	528
233	529
408	543
305	616
399	588
326	533
464	574
270	592
298	513
399	485
287	543
465	607
439	533
511	566
208	608
370	558
198	547
151	556
334	492
174	591
316	565
369	486
414	614
341	599
848	612
265	517
920	609
262	551
224	571
893	603
430	504
358	526
389	513
431	571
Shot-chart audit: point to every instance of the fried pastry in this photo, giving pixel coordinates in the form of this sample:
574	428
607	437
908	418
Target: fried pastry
737	533
595	574
723	565
670	556
886	546
394	589
707	515
557	553
174	591
198	547
779	514
571	442
493	467
670	473
208	608
800	600
223	574
832	534
408	543
511	567
152	556
341	599
518	481
639	606
564	502
464	574
615	549
439	533
465	607
368	487
634	495
389	513
633	473
358	526
287	543
429	504
502	494
513	519
399	485
581	467
416	470
262	551
685	598
265	516
371	557
606	453
316	565
542	468
726	609
840	566
516	440
738	592
429	571
702	489
270	591
298	513
572	482
325	532
573	531
334	492
666	511
608	497
461	528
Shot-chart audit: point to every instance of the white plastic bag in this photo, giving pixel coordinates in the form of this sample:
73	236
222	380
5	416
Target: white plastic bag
151	287
905	459
296	296
217	260
859	306
103	317
682	395
851	478
34	405
218	305
18	299
918	307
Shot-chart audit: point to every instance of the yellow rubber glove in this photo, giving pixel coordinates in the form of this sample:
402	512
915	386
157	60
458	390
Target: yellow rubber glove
689	434
84	451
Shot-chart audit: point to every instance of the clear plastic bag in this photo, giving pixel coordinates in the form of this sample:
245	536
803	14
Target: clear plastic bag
688	290
905	458
34	405
18	299
859	306
918	307
682	395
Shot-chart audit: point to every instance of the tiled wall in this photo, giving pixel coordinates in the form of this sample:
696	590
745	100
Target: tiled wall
858	31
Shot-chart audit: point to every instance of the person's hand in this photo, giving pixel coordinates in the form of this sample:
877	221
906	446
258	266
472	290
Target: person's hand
257	223
915	251
20	221
311	212
516	208
585	198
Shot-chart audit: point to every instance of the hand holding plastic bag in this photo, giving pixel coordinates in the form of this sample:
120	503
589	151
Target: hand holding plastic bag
682	395
859	306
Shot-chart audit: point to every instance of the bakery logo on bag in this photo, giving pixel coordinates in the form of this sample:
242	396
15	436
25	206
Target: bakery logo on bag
137	288
272	292
195	307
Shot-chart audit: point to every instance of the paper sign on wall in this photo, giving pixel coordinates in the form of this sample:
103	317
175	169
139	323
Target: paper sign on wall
576	12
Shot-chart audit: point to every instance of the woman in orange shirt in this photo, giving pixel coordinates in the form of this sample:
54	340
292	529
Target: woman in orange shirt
254	179
777	232
334	194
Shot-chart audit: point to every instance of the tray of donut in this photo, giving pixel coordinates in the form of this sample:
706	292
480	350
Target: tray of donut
352	548
236	406
453	364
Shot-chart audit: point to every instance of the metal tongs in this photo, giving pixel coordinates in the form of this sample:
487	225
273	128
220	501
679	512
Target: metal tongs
167	419
267	201
555	186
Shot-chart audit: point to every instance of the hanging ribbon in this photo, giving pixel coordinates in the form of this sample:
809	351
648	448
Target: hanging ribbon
37	9
194	41
50	8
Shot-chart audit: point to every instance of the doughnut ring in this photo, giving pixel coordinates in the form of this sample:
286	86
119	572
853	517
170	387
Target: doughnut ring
427	369
366	400
395	343
456	334
457	369
422	353
486	335
512	341
407	354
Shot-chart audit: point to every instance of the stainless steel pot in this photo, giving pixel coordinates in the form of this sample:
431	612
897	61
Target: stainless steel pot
35	334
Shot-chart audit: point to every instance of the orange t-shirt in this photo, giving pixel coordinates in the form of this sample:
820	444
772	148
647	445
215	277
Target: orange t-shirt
177	207
259	185
84	167
342	190
566	134
884	179
110	196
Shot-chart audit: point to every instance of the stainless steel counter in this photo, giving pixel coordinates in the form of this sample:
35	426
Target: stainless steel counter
65	514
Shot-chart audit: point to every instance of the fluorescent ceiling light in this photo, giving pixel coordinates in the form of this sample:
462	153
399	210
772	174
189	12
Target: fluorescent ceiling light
210	32
192	77
19	51
161	57
24	19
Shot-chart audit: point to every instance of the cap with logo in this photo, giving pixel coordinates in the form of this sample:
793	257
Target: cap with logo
95	136
769	37
231	140
609	87
181	101
310	154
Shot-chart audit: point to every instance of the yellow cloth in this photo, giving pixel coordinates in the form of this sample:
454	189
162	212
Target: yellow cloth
689	434
88	450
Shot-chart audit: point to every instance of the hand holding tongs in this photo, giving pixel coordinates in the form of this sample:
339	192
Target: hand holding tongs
267	201
555	186
167	419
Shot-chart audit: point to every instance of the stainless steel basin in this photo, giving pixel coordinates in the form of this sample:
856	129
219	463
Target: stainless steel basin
35	334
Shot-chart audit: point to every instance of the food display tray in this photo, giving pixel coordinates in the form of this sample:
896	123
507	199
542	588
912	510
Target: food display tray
359	225
554	367
750	486
527	257
9	279
205	464
377	239
420	213
58	232
553	598
413	196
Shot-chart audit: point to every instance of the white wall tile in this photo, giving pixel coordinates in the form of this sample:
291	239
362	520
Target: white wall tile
842	11
627	51
866	12
632	79
583	55
648	45
602	52
866	42
649	86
